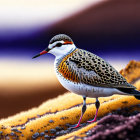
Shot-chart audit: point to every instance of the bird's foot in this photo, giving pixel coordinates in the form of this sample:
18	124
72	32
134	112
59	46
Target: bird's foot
76	126
94	120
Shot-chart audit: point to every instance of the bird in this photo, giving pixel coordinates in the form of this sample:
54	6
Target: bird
85	73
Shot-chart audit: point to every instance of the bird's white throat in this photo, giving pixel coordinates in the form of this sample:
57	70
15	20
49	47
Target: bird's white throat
59	52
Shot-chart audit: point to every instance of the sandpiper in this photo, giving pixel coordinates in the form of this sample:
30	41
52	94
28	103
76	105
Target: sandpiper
85	73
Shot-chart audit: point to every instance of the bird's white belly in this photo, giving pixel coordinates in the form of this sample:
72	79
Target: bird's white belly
87	90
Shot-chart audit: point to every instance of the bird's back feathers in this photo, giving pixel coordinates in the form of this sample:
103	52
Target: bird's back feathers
85	67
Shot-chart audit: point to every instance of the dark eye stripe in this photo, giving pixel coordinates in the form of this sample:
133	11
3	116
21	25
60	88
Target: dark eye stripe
58	45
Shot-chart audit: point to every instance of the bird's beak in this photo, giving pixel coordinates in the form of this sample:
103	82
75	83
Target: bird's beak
41	53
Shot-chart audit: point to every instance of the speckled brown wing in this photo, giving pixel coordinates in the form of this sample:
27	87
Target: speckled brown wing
85	67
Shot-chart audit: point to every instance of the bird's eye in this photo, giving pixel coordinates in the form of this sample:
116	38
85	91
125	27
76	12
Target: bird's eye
58	44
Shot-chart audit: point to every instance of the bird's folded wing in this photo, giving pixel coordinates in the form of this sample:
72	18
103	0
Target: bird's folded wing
90	69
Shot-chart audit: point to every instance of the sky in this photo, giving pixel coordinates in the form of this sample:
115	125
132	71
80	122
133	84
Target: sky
22	23
33	14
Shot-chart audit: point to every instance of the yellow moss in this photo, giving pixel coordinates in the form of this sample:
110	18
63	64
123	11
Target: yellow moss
71	113
80	133
137	84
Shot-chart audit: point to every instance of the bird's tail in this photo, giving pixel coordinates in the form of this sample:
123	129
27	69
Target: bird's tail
136	94
131	91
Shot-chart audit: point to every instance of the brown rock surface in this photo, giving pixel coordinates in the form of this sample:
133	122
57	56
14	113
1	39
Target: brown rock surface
116	127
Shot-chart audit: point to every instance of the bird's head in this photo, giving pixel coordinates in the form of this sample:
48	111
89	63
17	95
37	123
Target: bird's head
59	45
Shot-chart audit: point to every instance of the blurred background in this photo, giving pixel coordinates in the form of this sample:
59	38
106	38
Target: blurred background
108	28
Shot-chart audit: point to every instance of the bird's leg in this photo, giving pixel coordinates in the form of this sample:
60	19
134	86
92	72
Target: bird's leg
83	111
97	104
